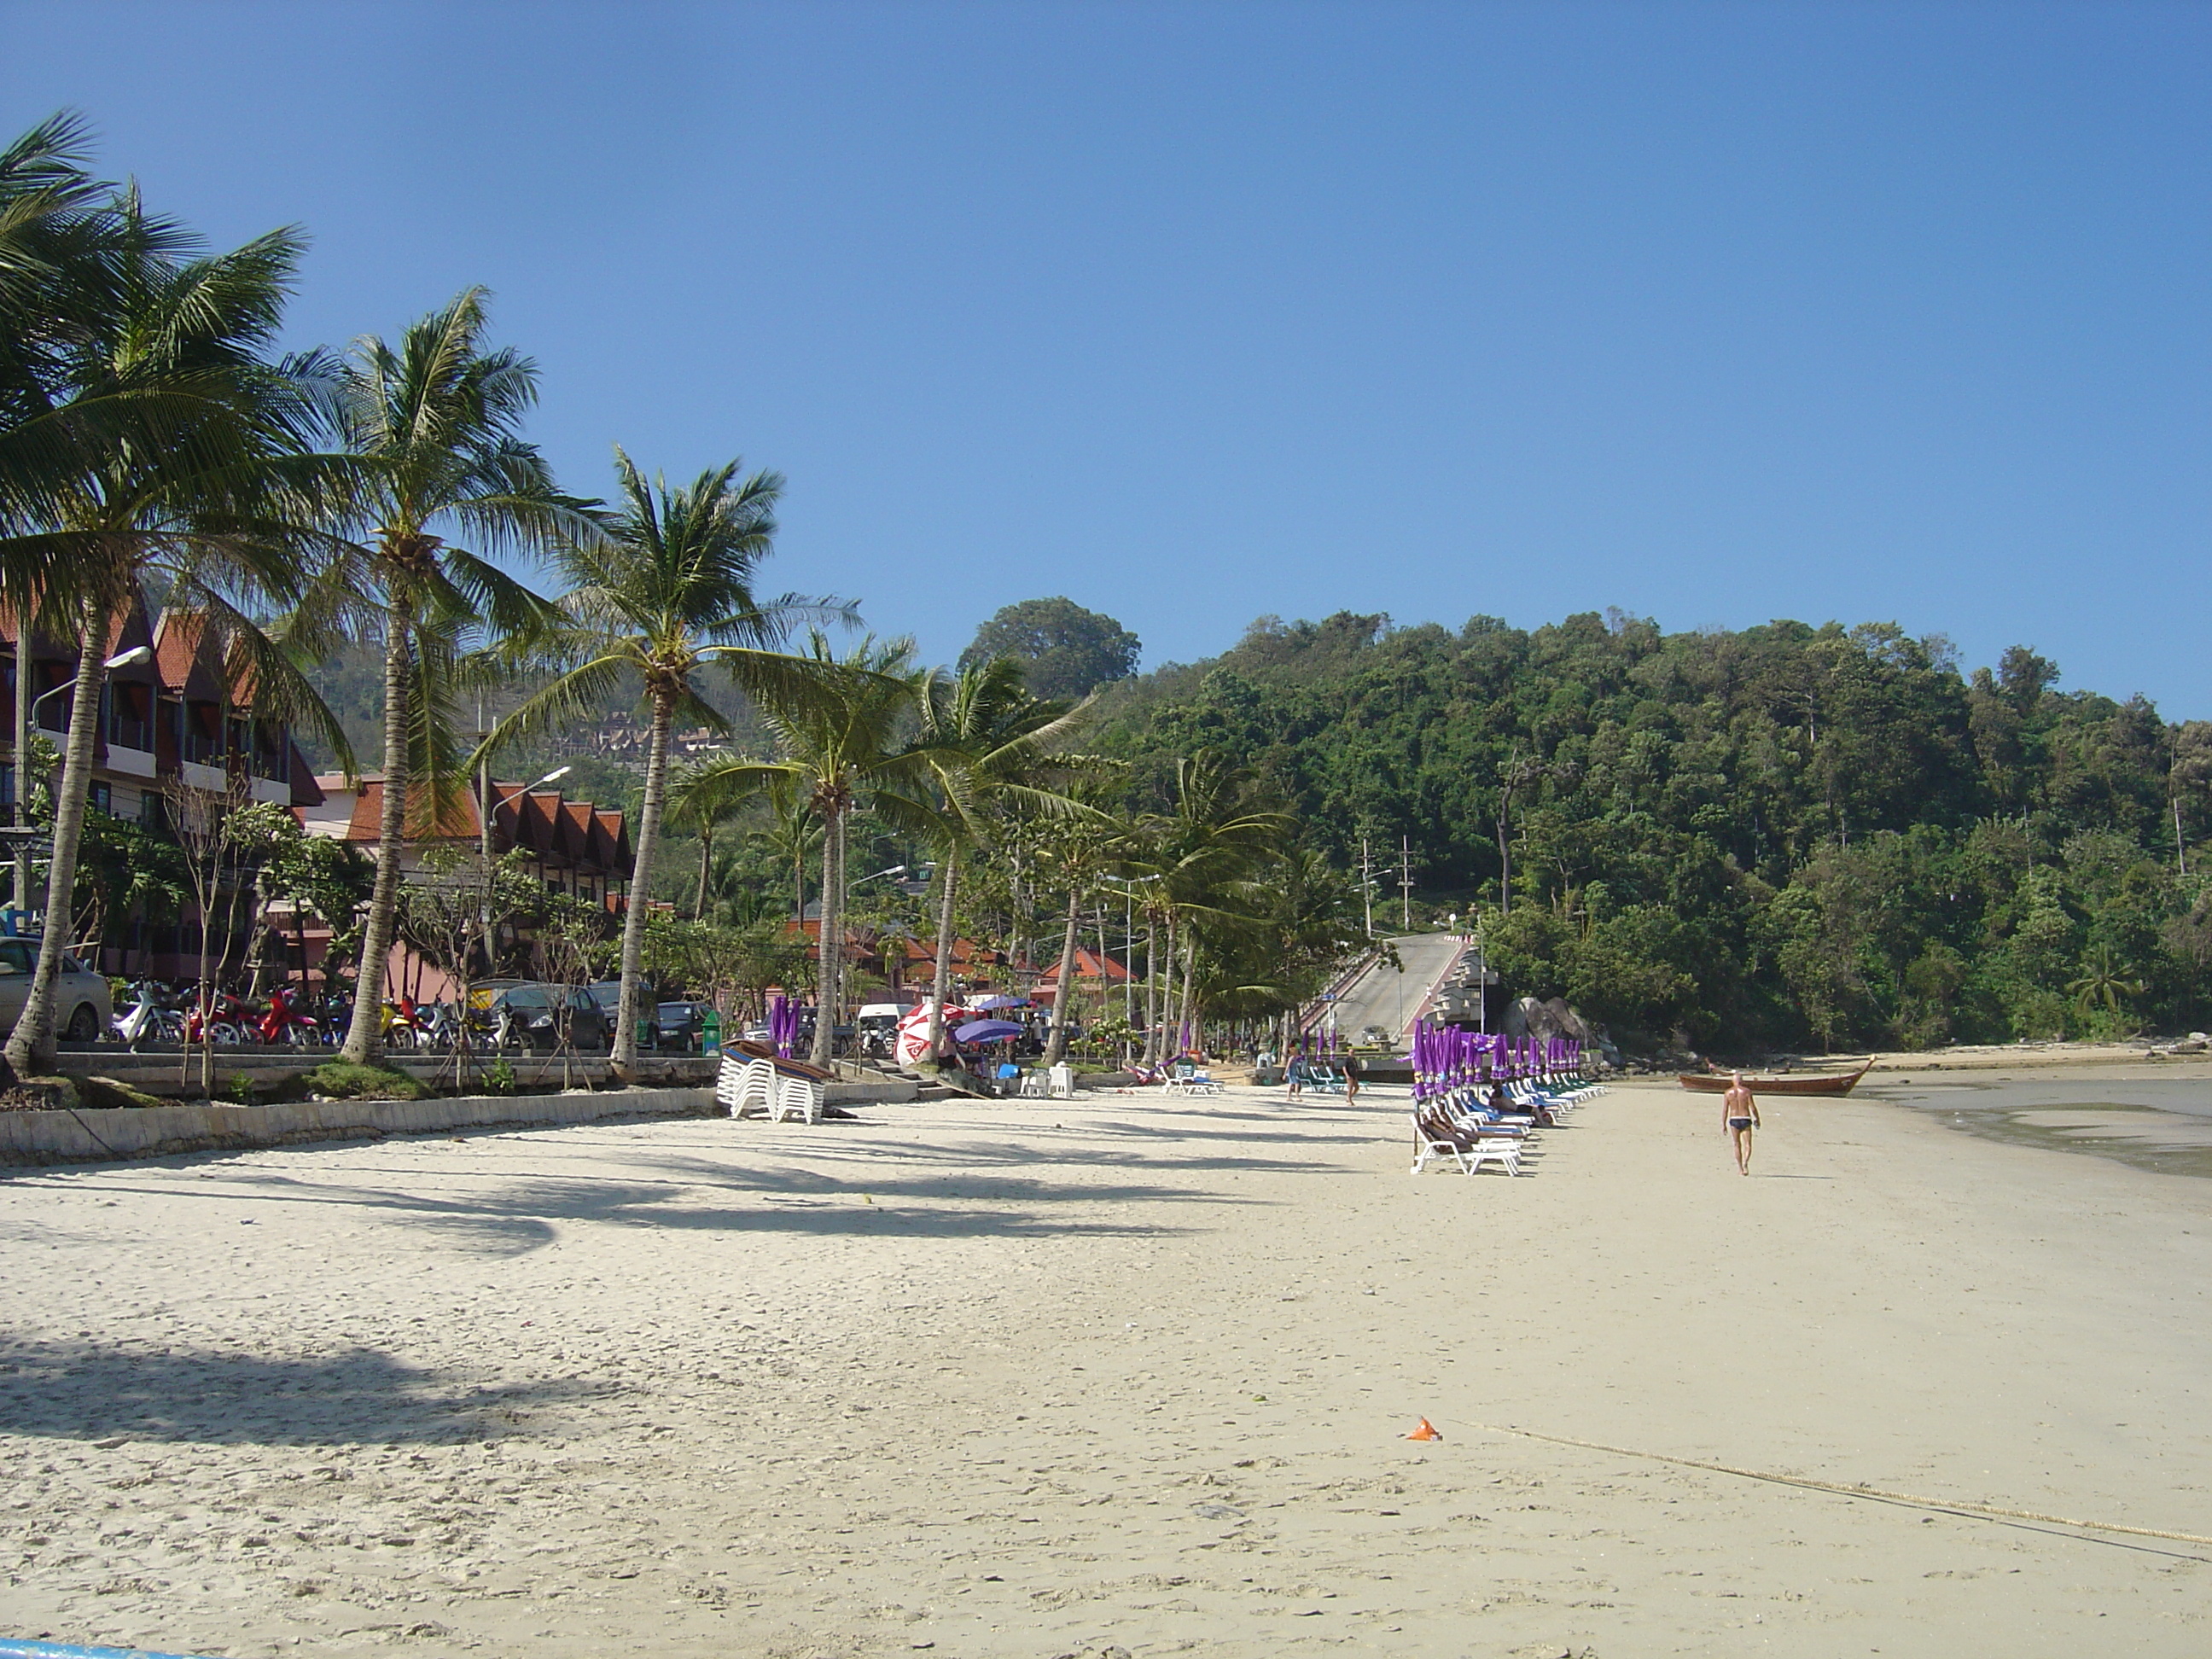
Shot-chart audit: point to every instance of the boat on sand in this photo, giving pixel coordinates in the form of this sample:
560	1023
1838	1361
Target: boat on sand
1827	1082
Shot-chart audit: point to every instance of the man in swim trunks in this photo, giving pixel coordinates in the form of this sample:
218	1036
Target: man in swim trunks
1740	1116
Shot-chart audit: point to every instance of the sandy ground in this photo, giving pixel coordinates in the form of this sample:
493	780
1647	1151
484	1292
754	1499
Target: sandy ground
1051	1378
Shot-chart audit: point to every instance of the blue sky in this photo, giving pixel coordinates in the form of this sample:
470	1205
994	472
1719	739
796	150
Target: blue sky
1193	312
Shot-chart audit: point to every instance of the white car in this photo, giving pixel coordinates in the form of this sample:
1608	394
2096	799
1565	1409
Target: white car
82	1005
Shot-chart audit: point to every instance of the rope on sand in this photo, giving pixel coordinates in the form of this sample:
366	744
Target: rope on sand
1953	1505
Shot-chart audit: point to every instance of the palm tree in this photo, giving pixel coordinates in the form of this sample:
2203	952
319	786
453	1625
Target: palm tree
839	738
990	750
1198	859
1084	849
438	421
666	593
57	239
2103	981
211	493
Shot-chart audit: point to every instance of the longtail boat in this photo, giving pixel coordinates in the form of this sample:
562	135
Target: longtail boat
1828	1083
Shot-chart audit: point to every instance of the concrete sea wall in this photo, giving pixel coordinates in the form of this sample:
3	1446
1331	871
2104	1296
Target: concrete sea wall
83	1136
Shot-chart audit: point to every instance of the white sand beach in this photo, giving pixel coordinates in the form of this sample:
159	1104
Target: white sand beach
1047	1378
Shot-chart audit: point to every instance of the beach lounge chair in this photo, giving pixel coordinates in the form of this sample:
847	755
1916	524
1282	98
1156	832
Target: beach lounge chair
1433	1142
779	1089
1319	1079
1186	1079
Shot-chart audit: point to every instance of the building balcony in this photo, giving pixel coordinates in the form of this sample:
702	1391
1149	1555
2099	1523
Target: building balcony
136	762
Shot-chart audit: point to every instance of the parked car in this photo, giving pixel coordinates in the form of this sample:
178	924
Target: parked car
83	1003
607	992
536	1012
681	1027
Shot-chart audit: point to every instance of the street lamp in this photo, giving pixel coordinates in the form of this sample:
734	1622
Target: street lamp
131	658
24	717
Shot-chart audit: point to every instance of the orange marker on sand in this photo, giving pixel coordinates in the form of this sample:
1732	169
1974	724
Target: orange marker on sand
1426	1431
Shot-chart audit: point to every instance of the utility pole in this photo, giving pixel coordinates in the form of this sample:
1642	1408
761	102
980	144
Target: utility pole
1367	884
1406	883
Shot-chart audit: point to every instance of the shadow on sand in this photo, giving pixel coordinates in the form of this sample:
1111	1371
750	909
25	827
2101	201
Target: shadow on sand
77	1390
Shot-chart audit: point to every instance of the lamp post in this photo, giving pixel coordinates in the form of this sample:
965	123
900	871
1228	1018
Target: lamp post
834	1002
1128	886
26	710
488	809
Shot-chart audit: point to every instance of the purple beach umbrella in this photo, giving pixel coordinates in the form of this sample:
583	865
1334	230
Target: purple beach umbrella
988	1030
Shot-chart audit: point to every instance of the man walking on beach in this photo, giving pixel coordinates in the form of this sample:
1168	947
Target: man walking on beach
1740	1116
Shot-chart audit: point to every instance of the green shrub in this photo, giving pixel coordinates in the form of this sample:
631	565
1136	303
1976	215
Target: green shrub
343	1080
499	1077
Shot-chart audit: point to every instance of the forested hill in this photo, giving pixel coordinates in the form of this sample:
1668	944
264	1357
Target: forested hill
1781	834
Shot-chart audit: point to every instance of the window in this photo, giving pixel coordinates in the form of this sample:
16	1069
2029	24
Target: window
130	714
52	713
14	957
102	796
202	732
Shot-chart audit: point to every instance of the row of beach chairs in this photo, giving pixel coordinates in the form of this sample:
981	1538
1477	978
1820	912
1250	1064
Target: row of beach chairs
1462	1129
1180	1077
1316	1076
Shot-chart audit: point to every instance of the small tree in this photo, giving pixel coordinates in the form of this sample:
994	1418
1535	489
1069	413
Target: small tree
202	819
443	916
572	950
326	877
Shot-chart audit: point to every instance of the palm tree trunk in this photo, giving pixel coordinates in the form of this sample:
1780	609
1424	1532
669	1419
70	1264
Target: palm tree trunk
829	957
1056	1047
31	1049
1190	996
622	1061
706	867
1152	993
365	1035
941	981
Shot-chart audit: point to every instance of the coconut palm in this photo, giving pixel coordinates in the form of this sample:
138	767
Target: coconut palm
2103	984
1084	848
839	742
1198	860
991	751
56	237
664	594
212	494
438	420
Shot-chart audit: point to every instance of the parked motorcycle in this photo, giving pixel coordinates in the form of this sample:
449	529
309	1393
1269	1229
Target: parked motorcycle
219	1018
150	1018
286	1023
403	1024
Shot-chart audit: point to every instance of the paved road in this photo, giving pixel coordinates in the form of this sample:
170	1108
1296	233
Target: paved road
1392	999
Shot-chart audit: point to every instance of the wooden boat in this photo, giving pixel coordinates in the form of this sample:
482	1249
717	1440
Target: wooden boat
1828	1083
